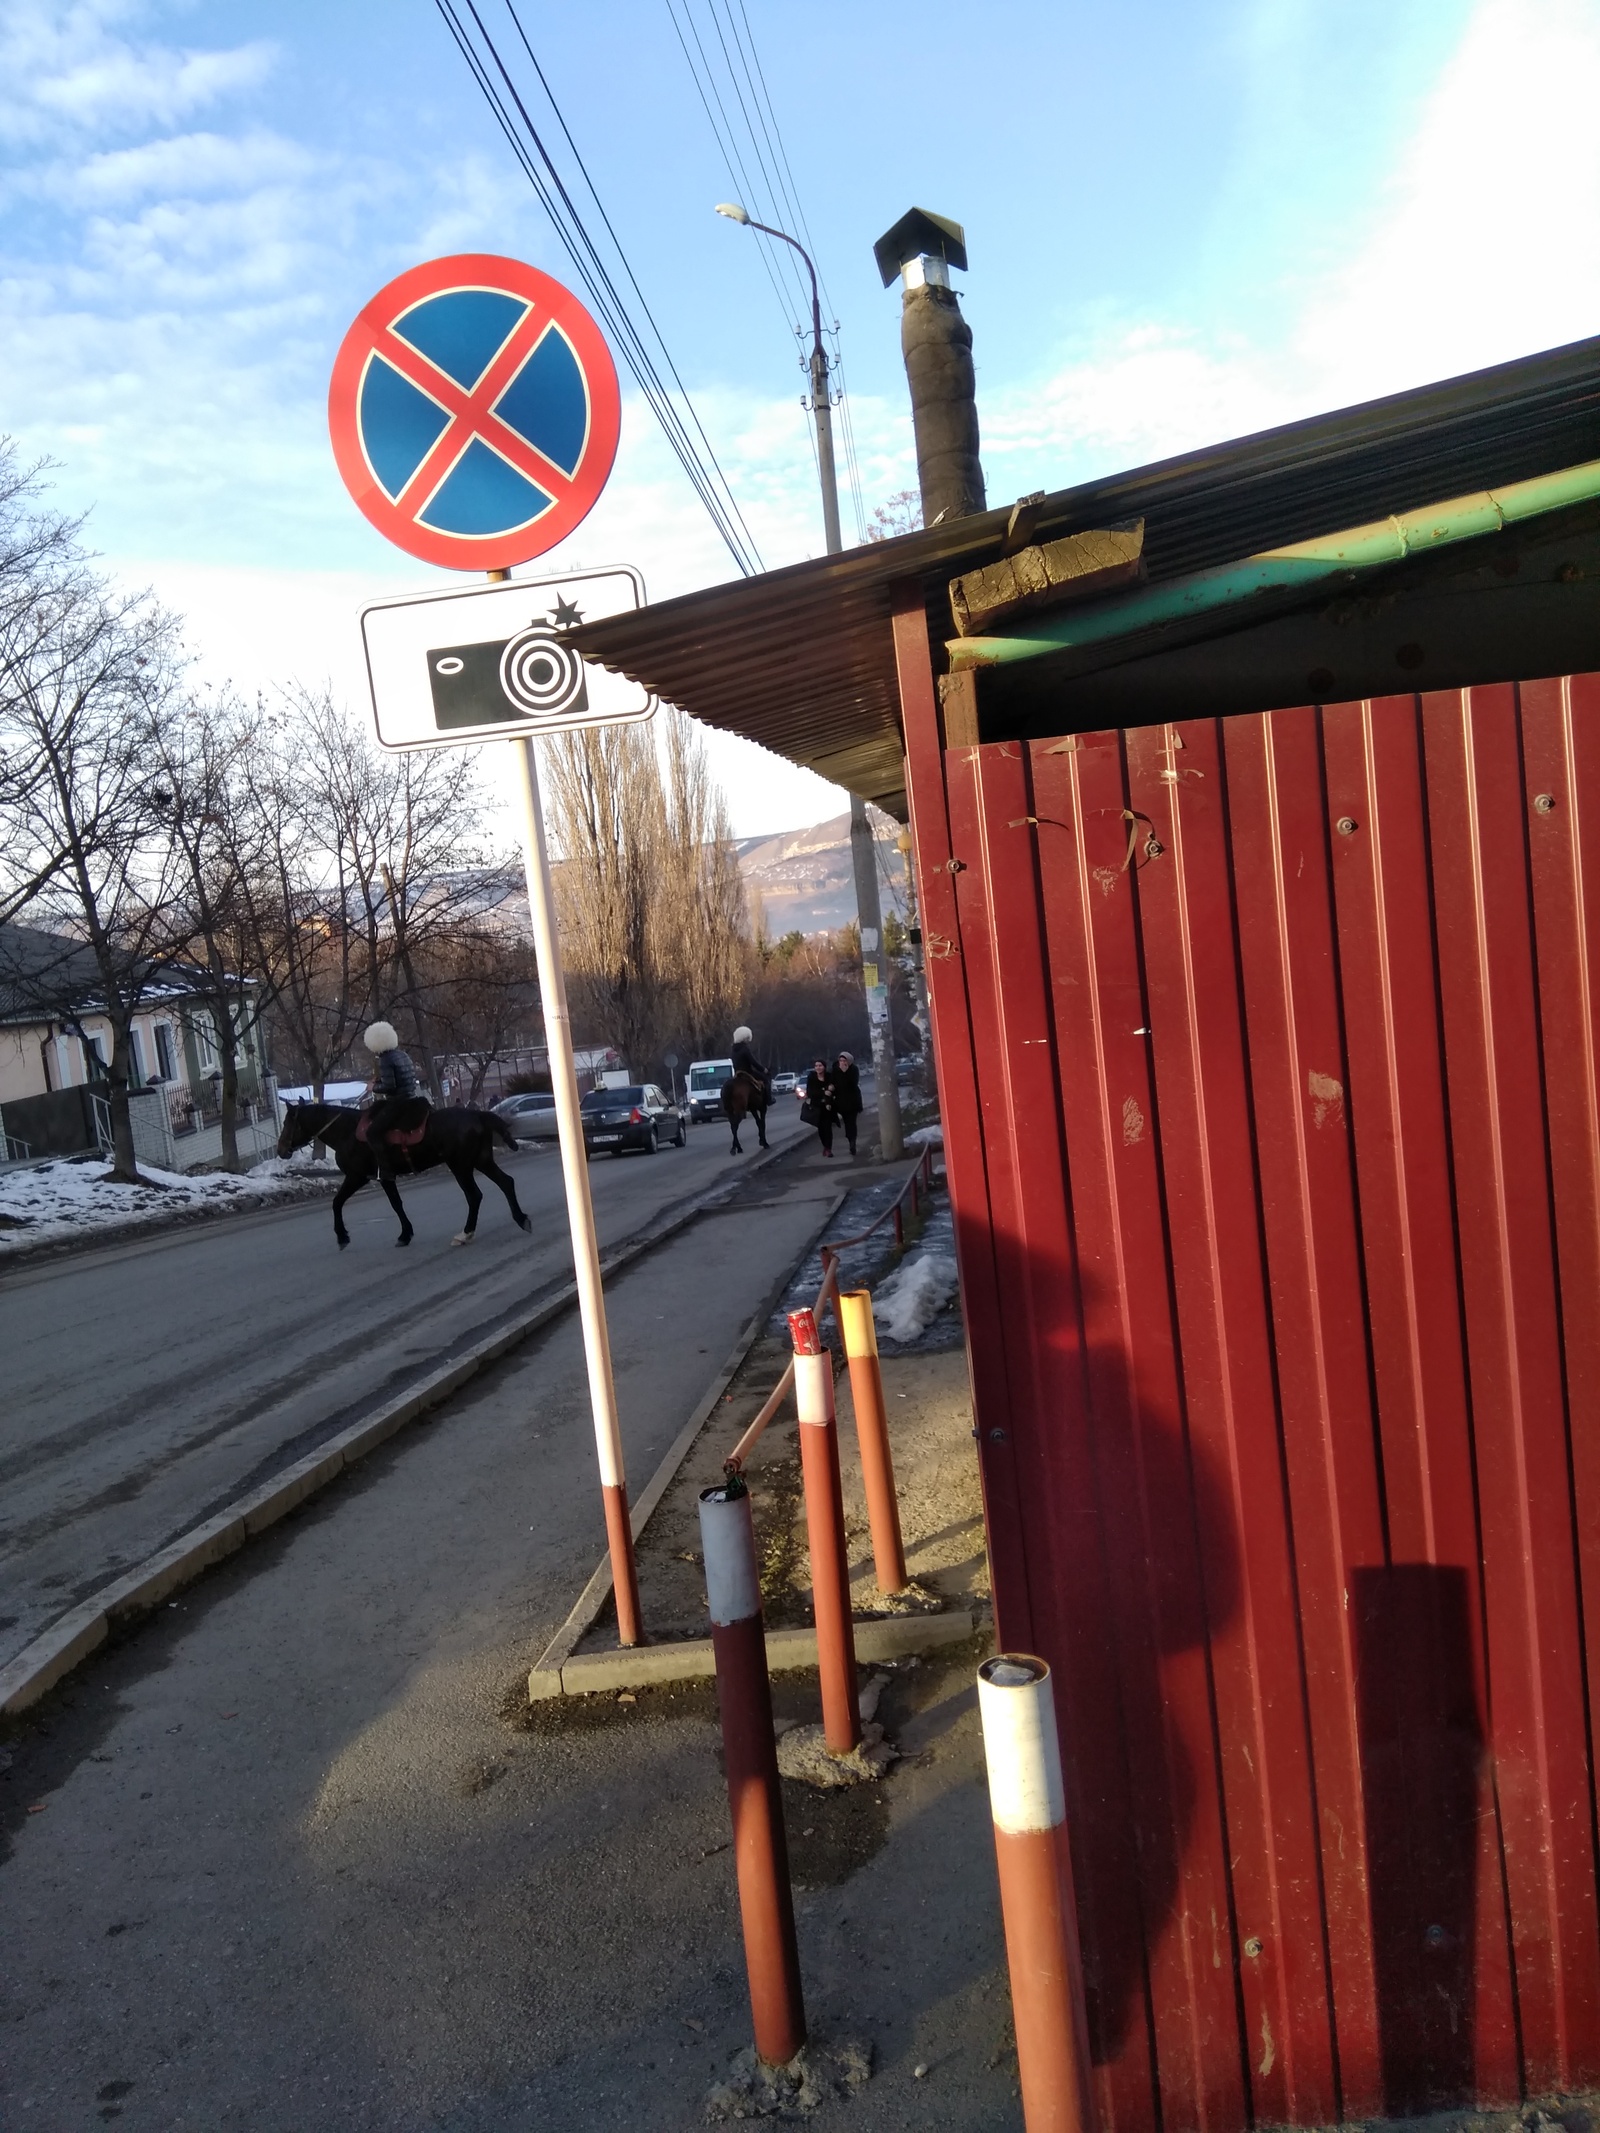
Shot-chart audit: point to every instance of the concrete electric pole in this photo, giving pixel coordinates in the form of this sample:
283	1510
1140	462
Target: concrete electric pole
863	850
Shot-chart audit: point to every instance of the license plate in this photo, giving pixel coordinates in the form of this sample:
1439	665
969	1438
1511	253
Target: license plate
599	1137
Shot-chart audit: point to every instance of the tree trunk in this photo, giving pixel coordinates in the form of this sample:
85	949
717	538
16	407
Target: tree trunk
228	1053
124	1163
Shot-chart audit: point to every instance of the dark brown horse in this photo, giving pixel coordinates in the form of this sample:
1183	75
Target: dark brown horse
743	1097
463	1141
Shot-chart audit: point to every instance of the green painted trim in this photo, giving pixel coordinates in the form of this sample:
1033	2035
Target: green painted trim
1305	564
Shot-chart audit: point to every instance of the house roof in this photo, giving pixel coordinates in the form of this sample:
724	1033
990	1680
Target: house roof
801	659
45	975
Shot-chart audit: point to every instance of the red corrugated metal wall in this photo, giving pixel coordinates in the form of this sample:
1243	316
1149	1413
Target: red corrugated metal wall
1267	1050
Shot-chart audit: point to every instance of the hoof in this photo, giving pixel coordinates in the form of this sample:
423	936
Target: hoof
463	1236
400	1243
344	1244
524	1224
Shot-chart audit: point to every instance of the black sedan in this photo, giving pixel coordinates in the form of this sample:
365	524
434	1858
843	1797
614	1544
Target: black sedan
635	1117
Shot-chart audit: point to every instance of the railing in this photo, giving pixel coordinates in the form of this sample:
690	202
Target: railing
16	1151
101	1107
918	1183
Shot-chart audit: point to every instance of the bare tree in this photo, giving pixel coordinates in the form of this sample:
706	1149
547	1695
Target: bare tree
610	830
897	514
707	935
80	667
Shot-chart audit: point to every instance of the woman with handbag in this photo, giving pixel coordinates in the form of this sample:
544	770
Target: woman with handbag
816	1105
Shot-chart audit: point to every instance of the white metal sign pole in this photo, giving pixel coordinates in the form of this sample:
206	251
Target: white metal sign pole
580	1208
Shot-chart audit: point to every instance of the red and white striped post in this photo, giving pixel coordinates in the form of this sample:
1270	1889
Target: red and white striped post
1028	1805
872	1435
744	1698
830	1565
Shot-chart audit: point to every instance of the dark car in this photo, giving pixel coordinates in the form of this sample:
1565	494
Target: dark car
635	1117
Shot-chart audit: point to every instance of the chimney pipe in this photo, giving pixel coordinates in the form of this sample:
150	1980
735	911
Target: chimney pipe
937	343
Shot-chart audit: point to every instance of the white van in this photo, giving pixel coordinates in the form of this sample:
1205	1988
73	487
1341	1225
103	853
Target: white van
706	1077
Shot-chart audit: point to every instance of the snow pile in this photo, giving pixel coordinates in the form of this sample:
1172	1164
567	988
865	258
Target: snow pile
914	1295
46	1203
926	1137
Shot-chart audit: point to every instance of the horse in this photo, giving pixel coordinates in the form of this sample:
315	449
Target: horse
742	1098
462	1140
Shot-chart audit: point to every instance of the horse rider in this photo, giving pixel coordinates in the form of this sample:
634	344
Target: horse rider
398	1099
745	1062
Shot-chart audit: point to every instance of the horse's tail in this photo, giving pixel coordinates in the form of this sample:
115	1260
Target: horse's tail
499	1130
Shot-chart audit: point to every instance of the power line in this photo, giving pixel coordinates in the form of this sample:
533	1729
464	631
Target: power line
778	197
511	114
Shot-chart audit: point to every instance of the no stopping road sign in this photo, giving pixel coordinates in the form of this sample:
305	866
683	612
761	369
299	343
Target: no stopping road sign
474	411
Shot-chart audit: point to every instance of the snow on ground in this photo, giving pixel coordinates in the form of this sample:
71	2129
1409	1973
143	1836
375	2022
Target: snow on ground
926	1137
48	1203
914	1295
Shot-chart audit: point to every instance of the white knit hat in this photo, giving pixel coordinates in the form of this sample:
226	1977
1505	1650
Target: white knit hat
380	1037
742	1034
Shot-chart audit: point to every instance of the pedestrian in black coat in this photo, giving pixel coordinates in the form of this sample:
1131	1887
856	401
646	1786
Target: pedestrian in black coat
816	1106
846	1081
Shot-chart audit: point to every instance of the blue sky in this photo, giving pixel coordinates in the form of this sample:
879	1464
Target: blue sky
1185	222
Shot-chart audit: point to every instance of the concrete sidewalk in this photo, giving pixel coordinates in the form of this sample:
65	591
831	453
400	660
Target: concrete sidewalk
298	1856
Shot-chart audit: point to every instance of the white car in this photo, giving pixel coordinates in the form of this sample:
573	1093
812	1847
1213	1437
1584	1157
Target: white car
784	1084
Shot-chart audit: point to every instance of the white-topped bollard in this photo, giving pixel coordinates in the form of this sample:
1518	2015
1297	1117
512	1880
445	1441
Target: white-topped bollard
1028	1804
744	1701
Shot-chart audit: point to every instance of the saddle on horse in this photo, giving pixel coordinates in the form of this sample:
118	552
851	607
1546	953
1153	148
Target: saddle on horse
395	1125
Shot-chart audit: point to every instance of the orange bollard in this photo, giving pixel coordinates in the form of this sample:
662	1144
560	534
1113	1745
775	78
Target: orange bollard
830	1564
872	1435
1028	1805
744	1700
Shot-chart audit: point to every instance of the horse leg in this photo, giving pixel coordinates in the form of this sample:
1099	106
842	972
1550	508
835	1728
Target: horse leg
391	1192
462	1173
351	1184
761	1125
735	1149
508	1185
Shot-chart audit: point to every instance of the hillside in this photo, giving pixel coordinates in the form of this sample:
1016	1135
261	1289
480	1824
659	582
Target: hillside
803	877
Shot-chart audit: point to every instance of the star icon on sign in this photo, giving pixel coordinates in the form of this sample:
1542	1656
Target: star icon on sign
566	614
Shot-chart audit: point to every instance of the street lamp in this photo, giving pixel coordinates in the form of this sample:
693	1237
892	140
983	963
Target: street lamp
863	849
821	406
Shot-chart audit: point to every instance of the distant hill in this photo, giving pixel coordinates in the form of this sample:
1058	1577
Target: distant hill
804	880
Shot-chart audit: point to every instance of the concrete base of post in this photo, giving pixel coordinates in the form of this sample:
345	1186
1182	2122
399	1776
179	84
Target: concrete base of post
744	1700
1028	1805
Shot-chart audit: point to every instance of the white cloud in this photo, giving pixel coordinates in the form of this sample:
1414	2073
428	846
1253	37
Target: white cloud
68	72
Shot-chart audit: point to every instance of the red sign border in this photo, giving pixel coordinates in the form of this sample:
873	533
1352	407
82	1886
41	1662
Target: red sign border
475	270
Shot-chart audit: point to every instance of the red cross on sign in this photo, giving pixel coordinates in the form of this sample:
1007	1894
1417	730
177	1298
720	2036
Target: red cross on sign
474	411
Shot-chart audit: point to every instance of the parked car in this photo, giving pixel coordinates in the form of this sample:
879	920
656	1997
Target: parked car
706	1077
638	1116
783	1084
531	1117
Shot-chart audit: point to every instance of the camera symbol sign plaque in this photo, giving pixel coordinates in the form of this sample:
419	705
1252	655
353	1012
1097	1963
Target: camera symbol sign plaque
497	661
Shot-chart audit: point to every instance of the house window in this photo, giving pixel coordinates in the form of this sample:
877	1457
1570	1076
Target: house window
206	1038
164	1051
136	1047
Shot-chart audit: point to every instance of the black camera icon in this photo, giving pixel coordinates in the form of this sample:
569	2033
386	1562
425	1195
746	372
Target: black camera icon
532	676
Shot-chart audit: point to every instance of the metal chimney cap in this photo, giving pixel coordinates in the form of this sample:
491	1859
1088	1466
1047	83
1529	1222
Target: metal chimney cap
916	234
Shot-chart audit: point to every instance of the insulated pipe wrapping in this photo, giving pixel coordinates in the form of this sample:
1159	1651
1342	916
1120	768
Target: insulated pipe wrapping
937	344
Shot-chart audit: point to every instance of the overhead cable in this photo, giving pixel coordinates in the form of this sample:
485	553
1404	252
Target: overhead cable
510	111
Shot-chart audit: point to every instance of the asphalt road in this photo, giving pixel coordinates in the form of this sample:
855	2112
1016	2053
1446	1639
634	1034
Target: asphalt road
148	1382
284	1860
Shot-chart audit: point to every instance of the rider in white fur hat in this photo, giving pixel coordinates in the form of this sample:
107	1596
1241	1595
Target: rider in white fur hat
397	1095
745	1060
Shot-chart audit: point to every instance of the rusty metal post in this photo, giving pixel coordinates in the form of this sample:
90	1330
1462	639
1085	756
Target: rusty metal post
899	1225
872	1435
744	1700
830	1565
1028	1805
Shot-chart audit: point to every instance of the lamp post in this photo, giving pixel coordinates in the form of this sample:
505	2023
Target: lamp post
863	852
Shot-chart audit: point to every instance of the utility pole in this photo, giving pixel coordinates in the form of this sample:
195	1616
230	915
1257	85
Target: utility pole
863	850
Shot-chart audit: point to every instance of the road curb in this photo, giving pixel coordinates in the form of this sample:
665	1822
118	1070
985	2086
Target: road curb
73	1636
788	1651
595	1594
